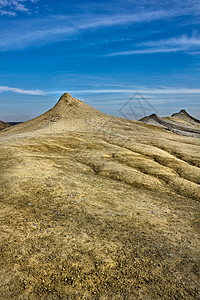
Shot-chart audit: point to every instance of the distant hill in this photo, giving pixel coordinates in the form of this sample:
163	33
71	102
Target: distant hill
180	123
183	115
14	123
4	125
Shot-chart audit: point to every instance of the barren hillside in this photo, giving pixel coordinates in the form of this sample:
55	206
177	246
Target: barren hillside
98	207
3	125
180	123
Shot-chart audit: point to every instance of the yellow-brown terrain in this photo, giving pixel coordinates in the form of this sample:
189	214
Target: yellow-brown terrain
98	207
4	125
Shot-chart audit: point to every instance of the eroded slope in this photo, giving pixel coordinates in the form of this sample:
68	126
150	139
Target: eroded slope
98	208
180	123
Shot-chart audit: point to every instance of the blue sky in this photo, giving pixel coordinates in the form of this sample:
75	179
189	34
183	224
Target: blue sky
102	52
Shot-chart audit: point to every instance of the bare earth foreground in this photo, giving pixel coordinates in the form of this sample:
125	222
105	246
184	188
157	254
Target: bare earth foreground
98	207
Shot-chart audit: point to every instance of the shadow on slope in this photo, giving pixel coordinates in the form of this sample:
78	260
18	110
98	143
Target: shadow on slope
4	125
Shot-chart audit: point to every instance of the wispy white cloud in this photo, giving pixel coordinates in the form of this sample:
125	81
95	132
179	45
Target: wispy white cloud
50	29
142	51
113	99
190	45
182	41
142	90
11	7
64	27
191	6
7	13
21	91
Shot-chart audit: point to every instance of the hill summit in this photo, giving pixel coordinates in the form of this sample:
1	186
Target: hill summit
68	113
185	116
70	107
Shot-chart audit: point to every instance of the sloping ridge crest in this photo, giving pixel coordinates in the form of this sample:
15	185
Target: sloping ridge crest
67	108
183	114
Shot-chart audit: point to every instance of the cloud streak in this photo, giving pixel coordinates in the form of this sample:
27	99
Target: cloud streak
60	28
4	89
12	7
190	45
55	28
142	90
